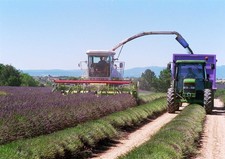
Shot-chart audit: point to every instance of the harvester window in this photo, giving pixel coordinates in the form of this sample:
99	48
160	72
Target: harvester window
102	63
115	73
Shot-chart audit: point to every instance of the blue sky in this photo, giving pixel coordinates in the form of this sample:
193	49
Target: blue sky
55	34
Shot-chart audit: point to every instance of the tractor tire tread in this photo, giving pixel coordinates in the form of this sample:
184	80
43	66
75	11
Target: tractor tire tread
208	101
171	105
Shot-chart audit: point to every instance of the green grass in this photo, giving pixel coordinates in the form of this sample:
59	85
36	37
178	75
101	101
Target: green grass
176	139
41	147
2	93
67	142
146	98
136	115
220	93
222	98
70	142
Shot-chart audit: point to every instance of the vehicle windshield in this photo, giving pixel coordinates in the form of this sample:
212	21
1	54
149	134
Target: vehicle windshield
99	66
190	71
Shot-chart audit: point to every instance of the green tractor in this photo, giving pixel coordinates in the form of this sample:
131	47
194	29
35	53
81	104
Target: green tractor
193	81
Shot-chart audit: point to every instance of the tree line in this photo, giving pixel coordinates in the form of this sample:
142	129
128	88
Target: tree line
150	82
10	76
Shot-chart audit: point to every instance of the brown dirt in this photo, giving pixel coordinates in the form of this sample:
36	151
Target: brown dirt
136	138
213	140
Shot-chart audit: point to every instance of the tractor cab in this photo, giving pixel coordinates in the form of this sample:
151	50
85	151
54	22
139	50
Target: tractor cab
190	77
193	81
101	65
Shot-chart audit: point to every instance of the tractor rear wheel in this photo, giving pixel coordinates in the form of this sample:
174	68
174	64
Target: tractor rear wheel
178	105
171	105
208	101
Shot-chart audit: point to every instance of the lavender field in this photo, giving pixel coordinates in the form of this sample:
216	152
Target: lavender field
32	111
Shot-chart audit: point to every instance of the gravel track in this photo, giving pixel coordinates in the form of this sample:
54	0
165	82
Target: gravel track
213	140
136	138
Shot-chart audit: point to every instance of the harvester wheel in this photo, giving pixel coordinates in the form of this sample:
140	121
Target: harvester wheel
208	101
171	105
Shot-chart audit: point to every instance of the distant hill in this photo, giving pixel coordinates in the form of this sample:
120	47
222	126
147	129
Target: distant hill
137	71
134	72
53	72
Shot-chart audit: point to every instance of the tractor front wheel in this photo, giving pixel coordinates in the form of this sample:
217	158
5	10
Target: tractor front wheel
171	105
208	101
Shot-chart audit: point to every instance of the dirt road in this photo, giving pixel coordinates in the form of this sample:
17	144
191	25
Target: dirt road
212	144
213	141
136	138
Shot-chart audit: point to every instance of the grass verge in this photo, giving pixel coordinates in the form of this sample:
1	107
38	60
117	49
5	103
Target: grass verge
146	98
176	139
69	142
220	93
222	98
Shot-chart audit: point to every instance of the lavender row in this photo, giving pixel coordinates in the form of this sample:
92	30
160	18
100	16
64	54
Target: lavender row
31	111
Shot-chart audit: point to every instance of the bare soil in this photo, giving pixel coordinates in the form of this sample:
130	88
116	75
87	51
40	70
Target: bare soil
136	138
213	140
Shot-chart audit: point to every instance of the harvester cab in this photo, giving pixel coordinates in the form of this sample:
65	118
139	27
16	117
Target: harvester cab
101	65
194	81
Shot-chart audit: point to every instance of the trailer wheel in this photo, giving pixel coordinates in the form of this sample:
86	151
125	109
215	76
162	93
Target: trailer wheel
171	105
208	101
